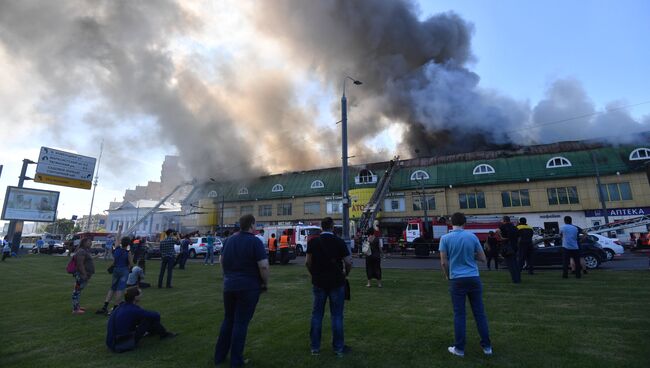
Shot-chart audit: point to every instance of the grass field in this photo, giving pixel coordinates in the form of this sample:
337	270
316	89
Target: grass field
599	321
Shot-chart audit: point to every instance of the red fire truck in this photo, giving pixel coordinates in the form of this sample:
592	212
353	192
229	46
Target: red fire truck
416	235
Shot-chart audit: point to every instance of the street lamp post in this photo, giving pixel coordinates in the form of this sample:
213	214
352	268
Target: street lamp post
425	207
344	160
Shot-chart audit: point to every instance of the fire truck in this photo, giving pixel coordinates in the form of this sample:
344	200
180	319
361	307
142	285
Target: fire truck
425	239
299	235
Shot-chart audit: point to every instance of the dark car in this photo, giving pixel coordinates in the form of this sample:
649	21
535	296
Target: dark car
548	252
152	251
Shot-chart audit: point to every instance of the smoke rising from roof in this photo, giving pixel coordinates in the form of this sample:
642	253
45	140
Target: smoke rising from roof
238	116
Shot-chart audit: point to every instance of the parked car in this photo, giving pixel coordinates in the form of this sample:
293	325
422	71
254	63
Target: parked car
611	246
549	252
198	246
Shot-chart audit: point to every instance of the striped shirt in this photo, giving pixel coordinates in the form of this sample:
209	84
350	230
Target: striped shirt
167	247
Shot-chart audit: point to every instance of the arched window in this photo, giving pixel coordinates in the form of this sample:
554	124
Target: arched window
365	177
277	188
317	184
558	162
243	191
483	169
640	154
419	175
212	194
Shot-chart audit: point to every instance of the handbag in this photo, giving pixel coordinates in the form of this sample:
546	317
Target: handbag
365	248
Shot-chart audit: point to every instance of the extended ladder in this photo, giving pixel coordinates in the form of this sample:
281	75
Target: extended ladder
374	205
620	225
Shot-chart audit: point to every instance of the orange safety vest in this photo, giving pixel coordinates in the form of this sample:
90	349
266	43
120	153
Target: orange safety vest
272	244
284	241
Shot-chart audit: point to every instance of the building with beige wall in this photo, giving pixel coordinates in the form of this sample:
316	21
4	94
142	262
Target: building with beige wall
543	183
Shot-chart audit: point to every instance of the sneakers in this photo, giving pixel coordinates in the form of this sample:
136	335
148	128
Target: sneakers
168	335
456	352
346	350
78	311
487	351
315	352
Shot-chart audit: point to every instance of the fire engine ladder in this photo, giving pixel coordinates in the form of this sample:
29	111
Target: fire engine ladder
620	225
372	208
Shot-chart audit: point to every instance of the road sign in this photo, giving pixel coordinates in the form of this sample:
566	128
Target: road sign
55	180
64	168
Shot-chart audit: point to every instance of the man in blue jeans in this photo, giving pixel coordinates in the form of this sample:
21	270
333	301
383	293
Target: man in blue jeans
167	258
459	250
245	275
329	262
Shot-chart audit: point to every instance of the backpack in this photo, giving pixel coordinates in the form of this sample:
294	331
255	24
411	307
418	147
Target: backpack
365	248
72	265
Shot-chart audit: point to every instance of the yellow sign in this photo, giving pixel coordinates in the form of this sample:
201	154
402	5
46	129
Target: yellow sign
66	182
359	198
208	212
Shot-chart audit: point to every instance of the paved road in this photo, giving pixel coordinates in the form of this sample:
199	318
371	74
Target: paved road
627	261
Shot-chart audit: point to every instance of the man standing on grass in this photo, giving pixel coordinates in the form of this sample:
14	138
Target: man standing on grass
329	262
459	251
508	233
245	276
570	248
167	258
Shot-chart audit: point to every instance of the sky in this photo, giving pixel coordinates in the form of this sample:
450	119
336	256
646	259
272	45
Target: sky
256	87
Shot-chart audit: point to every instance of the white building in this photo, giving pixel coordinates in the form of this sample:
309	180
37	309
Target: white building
168	216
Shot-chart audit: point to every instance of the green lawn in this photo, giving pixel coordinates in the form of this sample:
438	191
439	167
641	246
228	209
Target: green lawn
599	321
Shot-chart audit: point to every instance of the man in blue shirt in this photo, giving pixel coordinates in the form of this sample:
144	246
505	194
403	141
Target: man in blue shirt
459	251
570	247
245	275
131	319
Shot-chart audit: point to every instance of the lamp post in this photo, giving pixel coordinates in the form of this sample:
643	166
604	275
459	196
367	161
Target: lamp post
425	207
344	161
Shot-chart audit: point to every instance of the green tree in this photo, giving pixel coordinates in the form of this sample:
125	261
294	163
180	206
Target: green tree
60	226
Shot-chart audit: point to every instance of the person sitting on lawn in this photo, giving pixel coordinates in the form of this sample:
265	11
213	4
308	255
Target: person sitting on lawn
129	321
136	276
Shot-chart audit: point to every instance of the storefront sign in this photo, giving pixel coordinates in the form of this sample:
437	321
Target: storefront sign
635	211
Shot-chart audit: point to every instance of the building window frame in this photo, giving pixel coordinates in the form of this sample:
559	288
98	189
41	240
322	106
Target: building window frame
245	210
242	191
471	200
317	184
563	196
284	209
311	208
334	207
394	204
365	176
515	198
419	175
265	210
483	169
277	188
417	202
641	153
613	192
557	162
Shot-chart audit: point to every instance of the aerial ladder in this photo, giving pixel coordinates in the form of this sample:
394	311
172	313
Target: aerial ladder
374	205
620	225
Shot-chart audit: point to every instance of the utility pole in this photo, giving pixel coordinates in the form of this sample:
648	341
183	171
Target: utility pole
425	207
344	162
600	191
92	200
221	217
15	230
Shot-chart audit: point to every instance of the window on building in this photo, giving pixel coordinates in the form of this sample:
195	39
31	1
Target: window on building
316	184
246	210
397	204
212	194
243	191
312	208
515	198
366	177
284	209
557	162
430	202
616	192
265	210
334	207
471	200
229	212
483	169
640	154
277	188
419	175
563	195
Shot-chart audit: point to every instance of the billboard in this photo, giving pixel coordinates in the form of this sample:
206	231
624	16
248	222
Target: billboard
64	168
30	204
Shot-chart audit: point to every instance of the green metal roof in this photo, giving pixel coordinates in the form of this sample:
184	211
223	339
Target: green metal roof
513	167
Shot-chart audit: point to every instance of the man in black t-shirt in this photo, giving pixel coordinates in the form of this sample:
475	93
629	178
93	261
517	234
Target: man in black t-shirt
509	237
329	262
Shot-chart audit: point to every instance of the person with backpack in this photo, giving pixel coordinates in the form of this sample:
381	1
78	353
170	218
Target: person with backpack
122	262
82	268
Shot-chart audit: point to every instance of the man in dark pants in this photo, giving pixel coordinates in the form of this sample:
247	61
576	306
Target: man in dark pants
329	262
167	258
245	275
570	247
129	318
525	252
185	252
508	233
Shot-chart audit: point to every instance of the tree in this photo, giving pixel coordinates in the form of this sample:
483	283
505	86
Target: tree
60	226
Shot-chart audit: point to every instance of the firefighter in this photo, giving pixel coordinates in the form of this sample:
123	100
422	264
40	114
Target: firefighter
284	247
273	247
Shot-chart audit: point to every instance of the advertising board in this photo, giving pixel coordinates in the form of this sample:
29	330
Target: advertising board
30	204
64	168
